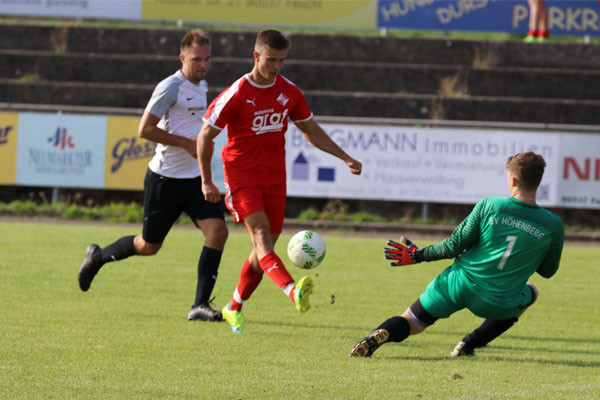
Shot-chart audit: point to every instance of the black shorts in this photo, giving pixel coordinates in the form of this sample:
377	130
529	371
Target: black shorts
166	198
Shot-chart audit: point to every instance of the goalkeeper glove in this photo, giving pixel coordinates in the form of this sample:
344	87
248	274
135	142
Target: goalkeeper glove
406	252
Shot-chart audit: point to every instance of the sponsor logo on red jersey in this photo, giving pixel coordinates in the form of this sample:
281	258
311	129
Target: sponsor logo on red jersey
268	121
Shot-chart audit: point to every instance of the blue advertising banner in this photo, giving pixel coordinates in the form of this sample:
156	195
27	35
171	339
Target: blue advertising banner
565	17
61	150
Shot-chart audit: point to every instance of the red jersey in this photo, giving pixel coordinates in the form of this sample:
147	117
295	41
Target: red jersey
256	118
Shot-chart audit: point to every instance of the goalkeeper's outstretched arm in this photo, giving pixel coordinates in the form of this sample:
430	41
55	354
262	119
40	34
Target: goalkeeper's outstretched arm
403	253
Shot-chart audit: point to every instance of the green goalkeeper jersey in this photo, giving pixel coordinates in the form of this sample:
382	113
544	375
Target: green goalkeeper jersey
500	245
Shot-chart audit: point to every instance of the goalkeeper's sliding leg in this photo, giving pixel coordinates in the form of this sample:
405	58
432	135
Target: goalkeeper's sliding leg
489	330
414	320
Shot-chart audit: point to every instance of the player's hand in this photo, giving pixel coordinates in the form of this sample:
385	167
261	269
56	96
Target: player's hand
354	165
211	192
405	253
190	147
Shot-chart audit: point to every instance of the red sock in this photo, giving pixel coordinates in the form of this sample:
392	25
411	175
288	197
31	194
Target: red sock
533	32
249	280
274	268
543	33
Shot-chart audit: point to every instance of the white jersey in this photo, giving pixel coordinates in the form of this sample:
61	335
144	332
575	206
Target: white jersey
180	105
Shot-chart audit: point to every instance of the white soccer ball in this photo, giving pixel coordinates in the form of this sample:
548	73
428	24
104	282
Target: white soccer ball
306	249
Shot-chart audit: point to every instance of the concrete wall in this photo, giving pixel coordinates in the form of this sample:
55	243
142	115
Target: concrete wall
474	80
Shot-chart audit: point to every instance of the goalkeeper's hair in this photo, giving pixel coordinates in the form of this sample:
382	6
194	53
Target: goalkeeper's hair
271	39
528	168
197	36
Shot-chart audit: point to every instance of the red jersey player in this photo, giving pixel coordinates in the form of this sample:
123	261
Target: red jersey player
255	110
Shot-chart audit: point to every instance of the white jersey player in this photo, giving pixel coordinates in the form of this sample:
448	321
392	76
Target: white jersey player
173	184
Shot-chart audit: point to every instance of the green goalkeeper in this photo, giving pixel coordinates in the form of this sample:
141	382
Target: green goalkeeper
496	249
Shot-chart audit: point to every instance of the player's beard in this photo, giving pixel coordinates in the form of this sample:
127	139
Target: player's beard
199	75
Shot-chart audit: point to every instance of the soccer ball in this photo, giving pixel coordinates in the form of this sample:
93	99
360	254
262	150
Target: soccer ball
306	249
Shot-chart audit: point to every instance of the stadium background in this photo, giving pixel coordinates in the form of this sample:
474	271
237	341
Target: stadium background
64	81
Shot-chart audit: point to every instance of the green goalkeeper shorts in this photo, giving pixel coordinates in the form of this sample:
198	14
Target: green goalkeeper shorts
450	292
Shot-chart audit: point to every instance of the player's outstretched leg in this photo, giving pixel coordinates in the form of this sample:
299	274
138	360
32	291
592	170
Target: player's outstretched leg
302	293
367	345
394	329
234	318
490	329
90	267
480	337
96	257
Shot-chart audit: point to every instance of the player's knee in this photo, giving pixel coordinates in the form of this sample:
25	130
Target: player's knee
261	234
534	296
418	318
415	327
147	249
215	232
534	292
218	234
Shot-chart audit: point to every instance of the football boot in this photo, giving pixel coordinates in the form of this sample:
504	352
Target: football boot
89	268
234	318
462	350
204	312
367	346
303	290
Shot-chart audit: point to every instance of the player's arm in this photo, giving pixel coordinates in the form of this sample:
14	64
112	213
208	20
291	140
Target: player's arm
149	130
204	147
549	266
318	138
463	237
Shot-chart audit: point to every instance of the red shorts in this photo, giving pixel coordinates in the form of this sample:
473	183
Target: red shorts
245	200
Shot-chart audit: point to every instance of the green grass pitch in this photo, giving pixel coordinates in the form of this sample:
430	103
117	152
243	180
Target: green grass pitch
128	337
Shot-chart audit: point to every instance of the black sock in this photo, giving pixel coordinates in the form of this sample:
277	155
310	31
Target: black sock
118	250
489	330
208	265
398	328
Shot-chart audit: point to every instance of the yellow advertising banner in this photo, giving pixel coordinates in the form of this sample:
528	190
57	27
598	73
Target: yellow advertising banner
127	156
9	123
317	13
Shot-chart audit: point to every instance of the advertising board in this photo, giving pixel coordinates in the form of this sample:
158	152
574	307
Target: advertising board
439	165
61	150
9	128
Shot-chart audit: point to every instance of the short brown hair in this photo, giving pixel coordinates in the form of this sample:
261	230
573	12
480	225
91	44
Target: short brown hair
197	36
528	168
272	39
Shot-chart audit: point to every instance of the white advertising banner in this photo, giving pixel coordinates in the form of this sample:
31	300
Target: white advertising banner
113	9
443	165
400	163
579	174
61	150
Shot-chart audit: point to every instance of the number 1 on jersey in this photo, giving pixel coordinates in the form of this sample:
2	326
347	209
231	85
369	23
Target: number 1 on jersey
511	239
